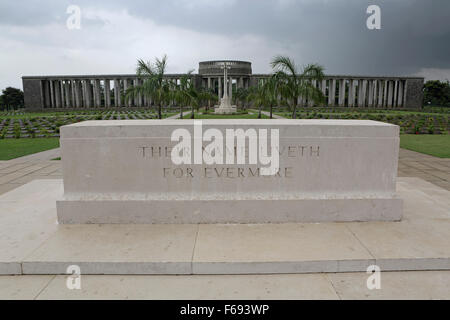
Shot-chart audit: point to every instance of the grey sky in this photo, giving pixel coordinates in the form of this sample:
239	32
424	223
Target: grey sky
34	40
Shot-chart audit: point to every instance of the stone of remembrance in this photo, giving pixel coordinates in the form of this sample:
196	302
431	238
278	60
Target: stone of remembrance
328	170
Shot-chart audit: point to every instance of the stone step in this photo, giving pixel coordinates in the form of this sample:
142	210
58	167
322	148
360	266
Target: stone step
33	243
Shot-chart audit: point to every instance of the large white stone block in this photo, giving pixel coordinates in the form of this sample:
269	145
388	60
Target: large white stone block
329	170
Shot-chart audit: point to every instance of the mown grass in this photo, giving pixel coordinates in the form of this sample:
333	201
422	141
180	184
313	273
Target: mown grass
432	144
14	148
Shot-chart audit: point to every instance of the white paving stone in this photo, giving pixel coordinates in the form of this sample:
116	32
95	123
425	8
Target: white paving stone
116	249
394	285
305	286
22	287
280	248
27	219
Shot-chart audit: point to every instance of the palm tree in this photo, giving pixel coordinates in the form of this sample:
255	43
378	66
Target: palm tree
271	92
154	85
266	94
241	96
295	82
206	96
212	97
256	97
179	92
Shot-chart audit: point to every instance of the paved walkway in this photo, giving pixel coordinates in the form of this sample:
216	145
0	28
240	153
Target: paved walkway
432	169
177	116
274	116
394	285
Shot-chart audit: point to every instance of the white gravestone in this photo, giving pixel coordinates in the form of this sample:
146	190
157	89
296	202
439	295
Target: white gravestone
124	171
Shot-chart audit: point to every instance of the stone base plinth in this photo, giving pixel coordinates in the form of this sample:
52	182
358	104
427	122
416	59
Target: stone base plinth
225	107
83	210
220	110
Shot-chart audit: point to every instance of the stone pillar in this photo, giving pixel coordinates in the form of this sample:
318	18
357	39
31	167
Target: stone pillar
351	93
331	92
341	92
370	95
365	93
374	93
57	94
220	88
52	93
394	103
88	93
97	101
83	93
73	89
231	89
390	93
78	95
63	96
400	93
323	86
385	92
117	97
67	94
107	93
209	83
380	93
125	88
360	94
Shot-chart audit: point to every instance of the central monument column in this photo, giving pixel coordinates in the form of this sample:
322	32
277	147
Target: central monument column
225	106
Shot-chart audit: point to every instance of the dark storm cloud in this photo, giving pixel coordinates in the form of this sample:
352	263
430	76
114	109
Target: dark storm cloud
415	34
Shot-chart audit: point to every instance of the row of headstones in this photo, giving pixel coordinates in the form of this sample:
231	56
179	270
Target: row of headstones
44	123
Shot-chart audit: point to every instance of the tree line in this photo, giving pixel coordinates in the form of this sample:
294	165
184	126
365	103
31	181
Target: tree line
11	99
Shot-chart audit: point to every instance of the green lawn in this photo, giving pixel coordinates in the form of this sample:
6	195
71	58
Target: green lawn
14	148
435	145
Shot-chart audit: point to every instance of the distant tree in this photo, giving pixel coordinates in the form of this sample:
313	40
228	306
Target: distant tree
436	92
179	92
265	94
240	95
12	98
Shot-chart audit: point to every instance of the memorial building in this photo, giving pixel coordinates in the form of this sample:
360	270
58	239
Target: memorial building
60	92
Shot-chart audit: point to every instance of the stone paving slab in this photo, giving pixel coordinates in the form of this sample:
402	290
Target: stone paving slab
116	249
31	239
394	285
279	248
22	287
196	287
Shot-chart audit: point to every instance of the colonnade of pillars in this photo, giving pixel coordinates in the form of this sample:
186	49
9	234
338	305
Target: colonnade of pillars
89	93
354	92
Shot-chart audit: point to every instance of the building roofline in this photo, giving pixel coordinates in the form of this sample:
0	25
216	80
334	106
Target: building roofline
173	75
